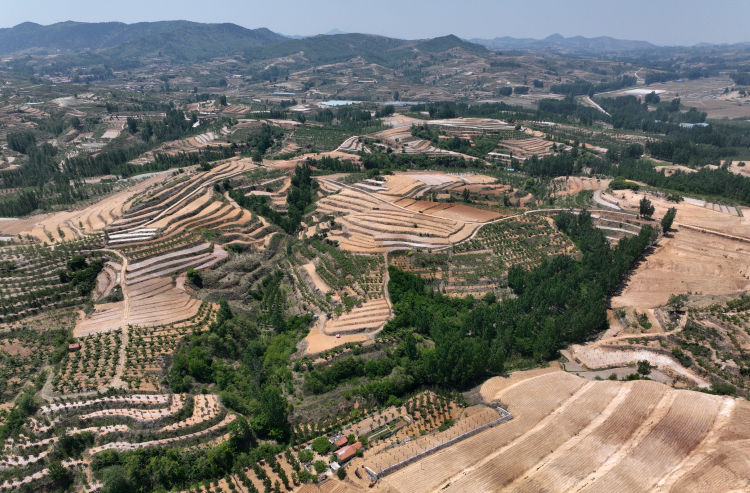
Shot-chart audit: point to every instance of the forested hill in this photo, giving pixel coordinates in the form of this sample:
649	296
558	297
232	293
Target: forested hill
183	41
385	51
174	39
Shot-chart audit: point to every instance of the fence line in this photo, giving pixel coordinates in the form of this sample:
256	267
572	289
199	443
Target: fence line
504	416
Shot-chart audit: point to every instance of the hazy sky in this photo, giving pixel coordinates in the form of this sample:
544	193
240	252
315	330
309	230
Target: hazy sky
659	21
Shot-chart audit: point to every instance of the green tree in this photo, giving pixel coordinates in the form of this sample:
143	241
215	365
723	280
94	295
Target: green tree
132	125
644	367
321	445
60	475
645	208
668	219
271	419
195	278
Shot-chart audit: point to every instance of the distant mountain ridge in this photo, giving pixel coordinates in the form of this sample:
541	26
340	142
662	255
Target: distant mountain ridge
575	44
179	39
185	41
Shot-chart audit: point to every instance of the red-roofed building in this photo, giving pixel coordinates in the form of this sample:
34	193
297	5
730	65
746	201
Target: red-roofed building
340	442
345	453
74	347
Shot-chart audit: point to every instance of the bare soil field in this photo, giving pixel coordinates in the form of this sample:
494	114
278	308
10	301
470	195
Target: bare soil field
68	225
290	164
704	94
318	341
670	169
573	185
709	252
571	435
525	148
372	225
688	261
740	168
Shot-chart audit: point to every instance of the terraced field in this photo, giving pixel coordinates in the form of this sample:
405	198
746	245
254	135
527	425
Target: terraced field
368	225
30	281
480	265
568	434
190	144
522	149
117	423
69	225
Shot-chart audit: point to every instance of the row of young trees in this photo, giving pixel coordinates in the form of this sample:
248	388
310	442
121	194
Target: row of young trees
716	182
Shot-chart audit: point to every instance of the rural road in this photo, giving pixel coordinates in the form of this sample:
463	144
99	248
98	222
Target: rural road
597	197
593	104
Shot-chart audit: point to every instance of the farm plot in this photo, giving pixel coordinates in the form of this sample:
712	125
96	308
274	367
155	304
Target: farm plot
687	261
368	317
165	232
421	430
497	471
282	469
529	403
597	436
337	281
416	184
522	149
174	205
125	422
480	265
275	190
91	367
69	225
188	145
30	277
22	356
156	301
724	465
148	345
369	225
706	253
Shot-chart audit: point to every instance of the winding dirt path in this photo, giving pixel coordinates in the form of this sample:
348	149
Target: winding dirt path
117	379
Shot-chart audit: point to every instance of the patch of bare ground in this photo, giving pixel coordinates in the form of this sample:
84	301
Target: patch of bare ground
573	185
569	435
709	252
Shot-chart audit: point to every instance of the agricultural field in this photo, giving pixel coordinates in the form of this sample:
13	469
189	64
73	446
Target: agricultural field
33	279
567	433
707	253
348	263
480	265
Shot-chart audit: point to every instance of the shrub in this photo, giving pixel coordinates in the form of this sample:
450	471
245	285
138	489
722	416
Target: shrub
447	424
620	183
644	367
195	277
683	358
321	445
723	388
320	466
305	455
